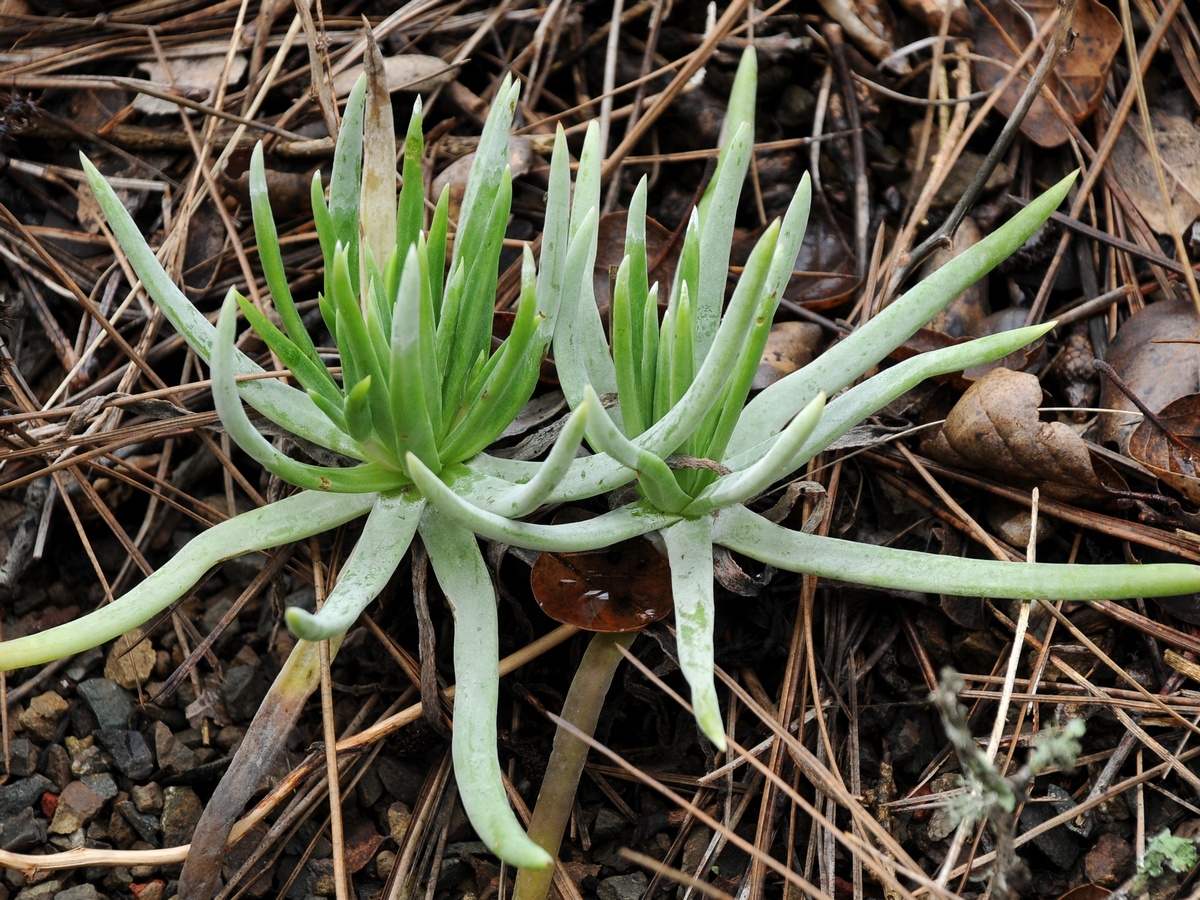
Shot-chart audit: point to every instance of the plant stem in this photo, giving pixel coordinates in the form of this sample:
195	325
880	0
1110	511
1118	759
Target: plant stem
582	709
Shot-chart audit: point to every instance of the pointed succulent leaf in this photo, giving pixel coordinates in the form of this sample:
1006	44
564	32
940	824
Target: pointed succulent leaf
291	519
555	239
267	240
346	180
277	401
464	578
411	215
780	461
365	478
746	532
855	405
716	238
312	376
846	361
602	531
689	549
409	409
655	477
385	538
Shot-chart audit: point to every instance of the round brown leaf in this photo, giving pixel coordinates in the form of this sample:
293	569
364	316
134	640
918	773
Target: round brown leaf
621	588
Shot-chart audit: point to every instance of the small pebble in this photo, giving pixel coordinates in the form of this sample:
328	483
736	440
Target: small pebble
181	812
148	798
42	716
79	892
146	825
103	784
107	701
19	795
130	661
22	758
623	887
174	757
128	751
77	806
43	891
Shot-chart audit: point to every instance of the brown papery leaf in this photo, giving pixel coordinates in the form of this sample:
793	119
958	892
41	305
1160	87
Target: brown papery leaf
621	588
995	429
1078	80
1178	143
1174	455
1157	354
662	255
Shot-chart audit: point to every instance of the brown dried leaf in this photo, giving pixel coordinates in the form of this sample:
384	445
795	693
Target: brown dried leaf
662	255
188	72
995	428
1157	354
1078	80
790	346
412	72
624	587
1173	456
1178	144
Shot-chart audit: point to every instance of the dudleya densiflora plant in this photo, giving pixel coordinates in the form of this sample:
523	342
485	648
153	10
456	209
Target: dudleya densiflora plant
682	428
419	381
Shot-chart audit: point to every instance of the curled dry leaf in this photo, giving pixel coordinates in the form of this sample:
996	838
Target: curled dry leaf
203	71
1157	354
790	346
662	255
411	72
1172	455
995	428
965	312
1078	80
621	588
1178	143
520	158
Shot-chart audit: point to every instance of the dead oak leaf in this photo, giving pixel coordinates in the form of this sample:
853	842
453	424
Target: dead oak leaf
995	428
1078	80
1172	455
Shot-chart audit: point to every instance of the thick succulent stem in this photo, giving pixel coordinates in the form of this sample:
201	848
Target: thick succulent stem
584	701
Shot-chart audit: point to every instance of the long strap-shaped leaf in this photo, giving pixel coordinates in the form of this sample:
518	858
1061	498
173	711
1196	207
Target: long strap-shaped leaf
846	361
464	577
274	399
746	532
689	550
290	519
567	537
853	406
367	477
386	536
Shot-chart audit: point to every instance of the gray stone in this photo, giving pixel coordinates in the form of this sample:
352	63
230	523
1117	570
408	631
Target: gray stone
22	758
144	824
79	892
403	780
243	691
181	812
128	751
77	806
58	766
609	823
43	891
22	831
21	794
108	702
103	784
174	757
623	887
43	714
